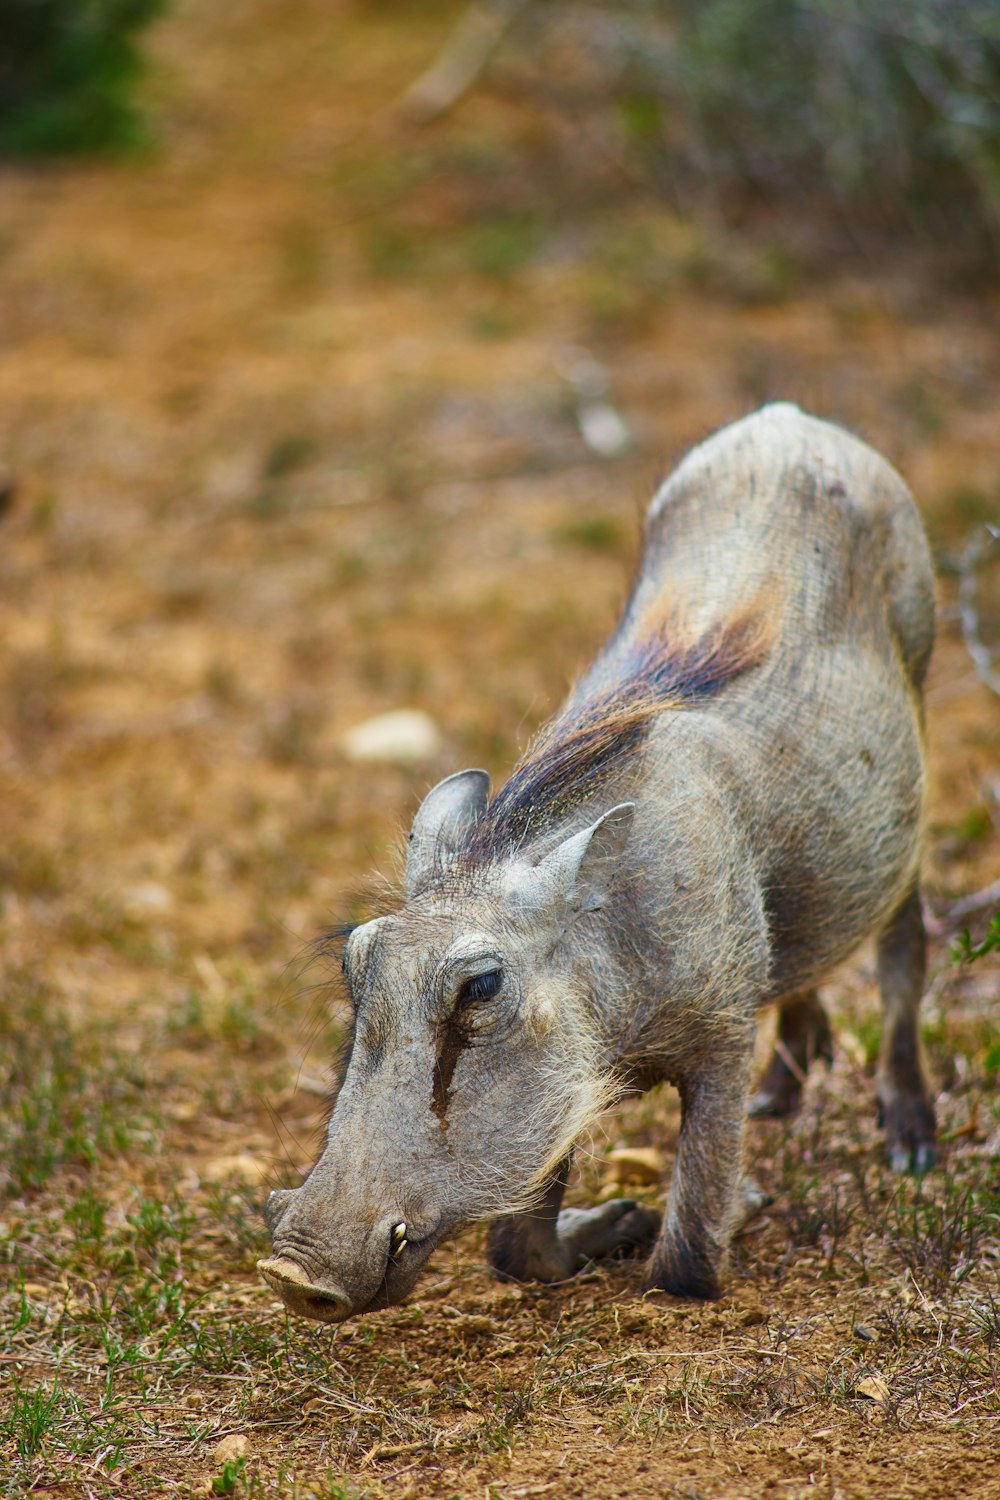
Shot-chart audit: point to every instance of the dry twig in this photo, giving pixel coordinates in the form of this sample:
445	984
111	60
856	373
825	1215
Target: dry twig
461	61
943	924
976	550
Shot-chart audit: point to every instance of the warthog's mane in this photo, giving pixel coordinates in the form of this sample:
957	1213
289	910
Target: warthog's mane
599	735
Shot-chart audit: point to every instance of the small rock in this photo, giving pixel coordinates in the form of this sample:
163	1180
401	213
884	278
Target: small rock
586	375
872	1388
635	1164
865	1334
149	897
239	1168
752	1313
404	737
603	429
231	1448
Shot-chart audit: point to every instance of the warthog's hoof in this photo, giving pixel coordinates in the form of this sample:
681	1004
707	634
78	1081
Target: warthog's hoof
619	1227
753	1201
918	1161
774	1103
689	1277
524	1248
910	1132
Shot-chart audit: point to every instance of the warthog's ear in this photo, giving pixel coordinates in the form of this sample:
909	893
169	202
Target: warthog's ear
446	813
580	869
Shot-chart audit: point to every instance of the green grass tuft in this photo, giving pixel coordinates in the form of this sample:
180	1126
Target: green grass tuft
67	1098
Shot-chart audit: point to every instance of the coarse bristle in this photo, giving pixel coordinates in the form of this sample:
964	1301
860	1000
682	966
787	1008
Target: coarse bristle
599	734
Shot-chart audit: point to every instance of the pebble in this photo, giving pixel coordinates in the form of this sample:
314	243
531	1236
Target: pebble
603	429
404	737
149	897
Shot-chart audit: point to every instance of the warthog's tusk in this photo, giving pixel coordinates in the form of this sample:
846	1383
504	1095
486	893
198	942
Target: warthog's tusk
397	1240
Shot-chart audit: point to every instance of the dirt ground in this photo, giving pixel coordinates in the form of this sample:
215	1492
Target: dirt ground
286	412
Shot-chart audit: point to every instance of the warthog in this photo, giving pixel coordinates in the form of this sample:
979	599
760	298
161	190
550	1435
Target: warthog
729	802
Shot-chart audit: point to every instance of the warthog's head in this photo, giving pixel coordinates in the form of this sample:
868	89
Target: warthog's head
474	1065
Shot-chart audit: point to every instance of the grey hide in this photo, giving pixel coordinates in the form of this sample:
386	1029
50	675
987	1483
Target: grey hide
730	801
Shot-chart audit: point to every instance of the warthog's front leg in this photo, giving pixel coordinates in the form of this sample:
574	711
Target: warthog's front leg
708	1196
549	1243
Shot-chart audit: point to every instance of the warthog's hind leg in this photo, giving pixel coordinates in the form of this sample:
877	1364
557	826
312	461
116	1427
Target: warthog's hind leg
904	1096
803	1037
549	1244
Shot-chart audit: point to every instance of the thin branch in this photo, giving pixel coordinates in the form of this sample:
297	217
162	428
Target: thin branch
951	920
982	658
461	61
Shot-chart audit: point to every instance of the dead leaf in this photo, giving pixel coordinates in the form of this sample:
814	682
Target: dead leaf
231	1448
873	1388
635	1164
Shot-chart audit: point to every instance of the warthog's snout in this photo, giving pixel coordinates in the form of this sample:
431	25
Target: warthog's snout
326	1303
328	1268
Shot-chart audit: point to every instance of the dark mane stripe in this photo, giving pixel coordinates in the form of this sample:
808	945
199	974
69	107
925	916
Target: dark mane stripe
599	735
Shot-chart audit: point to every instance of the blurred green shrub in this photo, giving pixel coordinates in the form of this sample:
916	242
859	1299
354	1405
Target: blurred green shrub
889	110
67	70
866	98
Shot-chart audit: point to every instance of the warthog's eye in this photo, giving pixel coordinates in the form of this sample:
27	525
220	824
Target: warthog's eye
482	987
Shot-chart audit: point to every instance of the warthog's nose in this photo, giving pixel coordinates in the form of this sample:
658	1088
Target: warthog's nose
326	1304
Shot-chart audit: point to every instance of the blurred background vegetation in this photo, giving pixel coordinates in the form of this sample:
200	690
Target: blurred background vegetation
887	109
863	117
68	70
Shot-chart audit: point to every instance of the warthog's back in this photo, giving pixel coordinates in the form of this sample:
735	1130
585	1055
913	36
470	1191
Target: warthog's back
795	550
789	516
